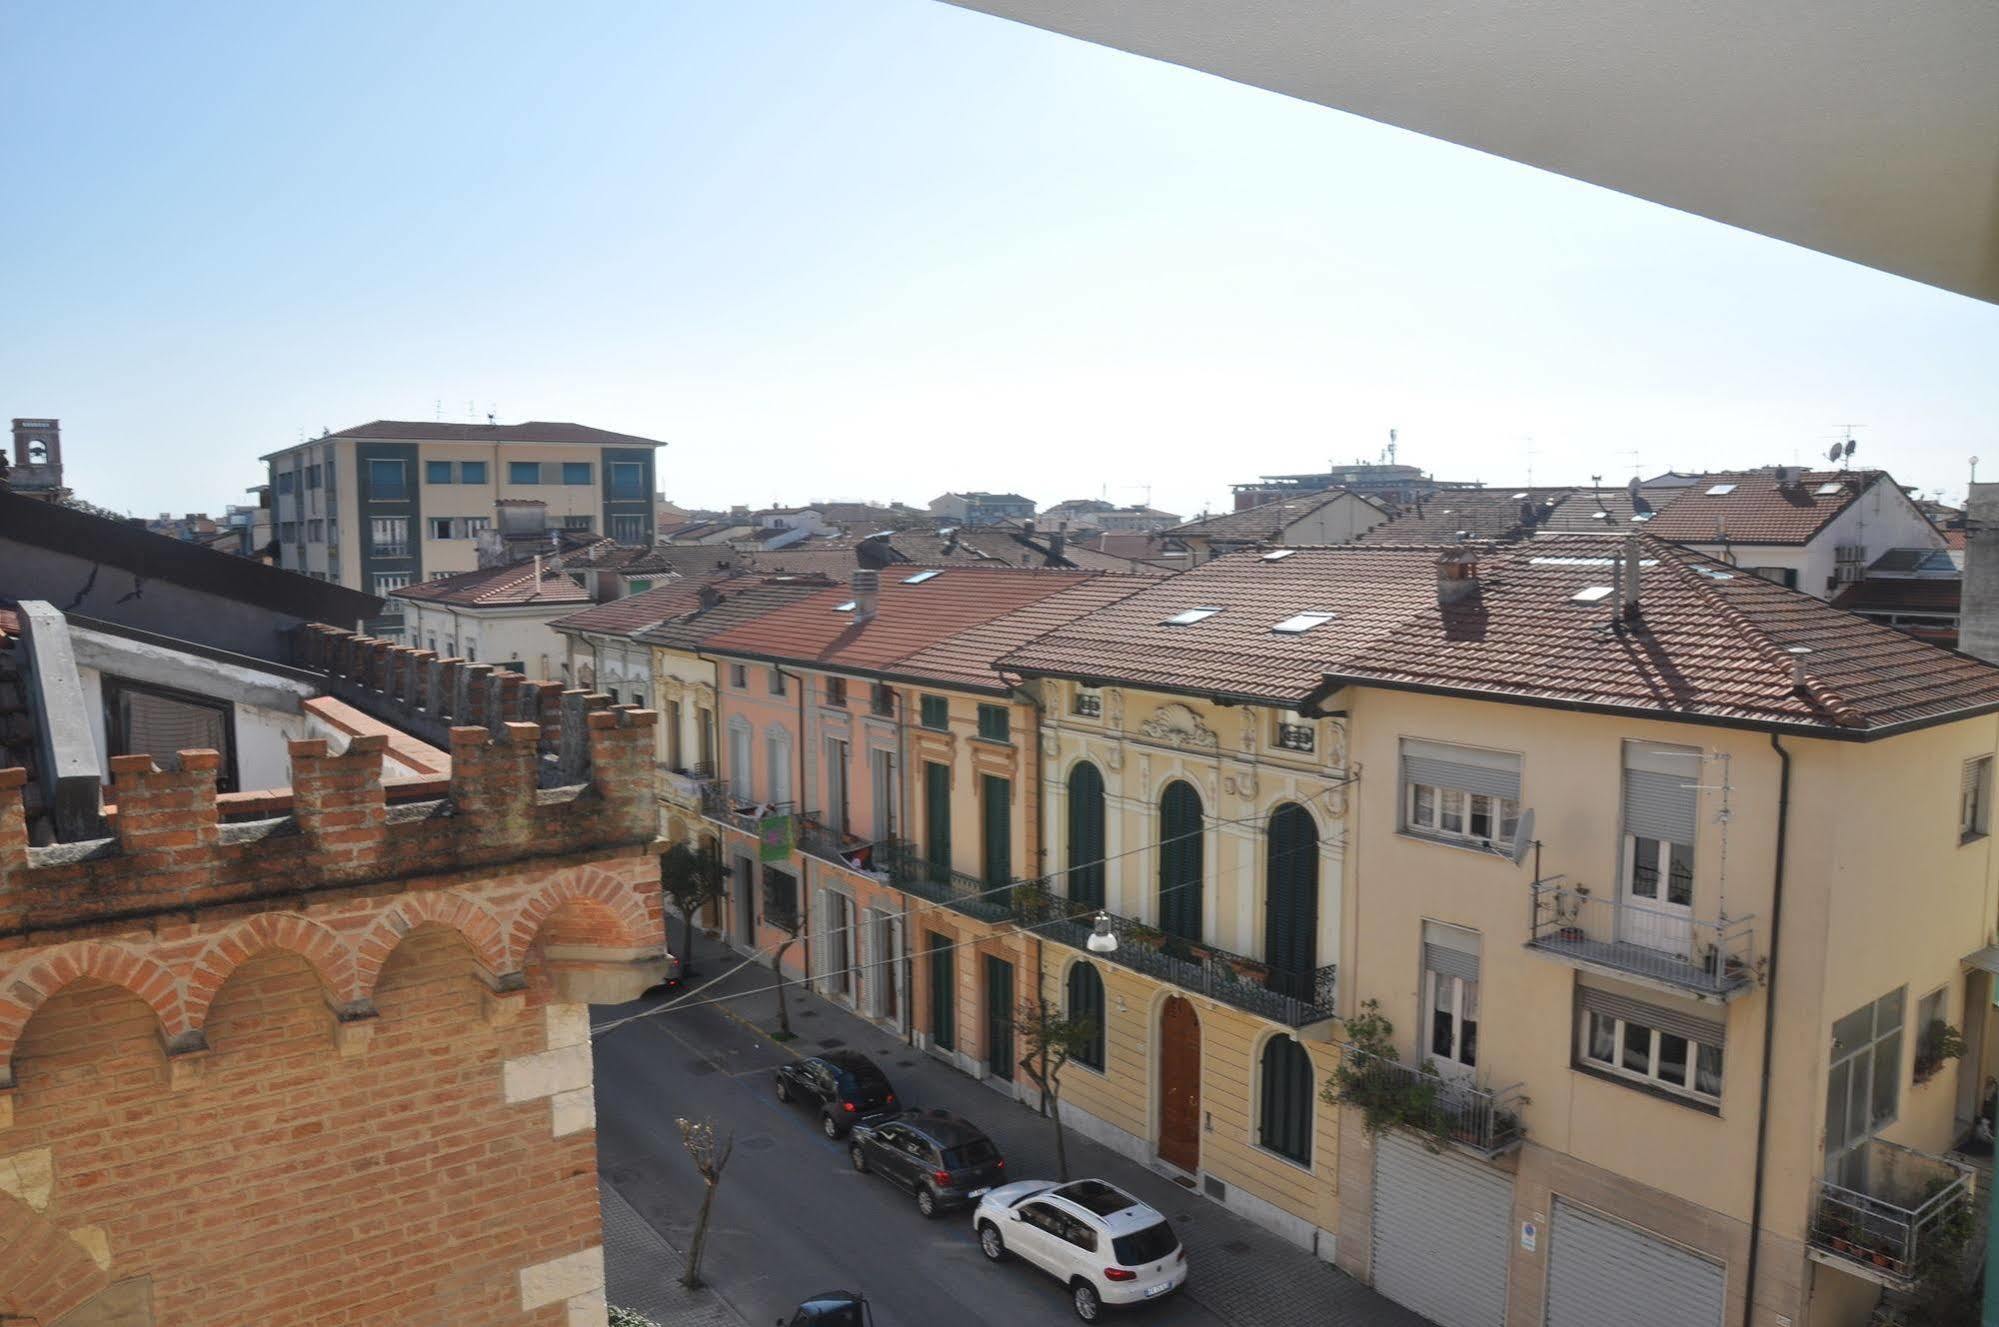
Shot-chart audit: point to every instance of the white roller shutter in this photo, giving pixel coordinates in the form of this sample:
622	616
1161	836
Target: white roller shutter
1601	1271
1442	1233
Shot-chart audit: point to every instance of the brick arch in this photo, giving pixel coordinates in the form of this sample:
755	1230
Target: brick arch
48	1273
330	958
586	885
444	907
26	989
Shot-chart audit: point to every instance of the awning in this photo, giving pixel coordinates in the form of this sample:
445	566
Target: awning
1986	958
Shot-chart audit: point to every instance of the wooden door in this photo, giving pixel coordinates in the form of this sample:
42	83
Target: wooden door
1180	1085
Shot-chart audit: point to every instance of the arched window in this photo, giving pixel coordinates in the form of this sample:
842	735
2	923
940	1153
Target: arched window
1285	1122
1086	836
1086	1000
1291	900
1181	834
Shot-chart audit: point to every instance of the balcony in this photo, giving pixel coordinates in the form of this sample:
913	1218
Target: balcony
1911	1213
1482	1121
724	807
1293	999
684	787
911	872
1714	960
849	852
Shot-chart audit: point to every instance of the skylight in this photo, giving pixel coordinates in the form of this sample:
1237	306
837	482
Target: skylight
1590	594
1519	497
1641	516
847	607
1277	554
1827	490
1714	575
1599	515
1189	617
1720	489
1299	623
918	578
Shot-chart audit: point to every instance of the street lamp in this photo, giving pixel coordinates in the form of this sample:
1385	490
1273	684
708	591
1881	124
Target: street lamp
1102	939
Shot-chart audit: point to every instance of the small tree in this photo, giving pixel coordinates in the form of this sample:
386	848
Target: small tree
1369	1076
1052	1040
710	1158
781	917
691	879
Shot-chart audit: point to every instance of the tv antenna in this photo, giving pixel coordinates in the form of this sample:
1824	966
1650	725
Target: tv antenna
1842	451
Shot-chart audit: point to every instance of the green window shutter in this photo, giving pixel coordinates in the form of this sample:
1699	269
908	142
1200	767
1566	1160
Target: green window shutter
1286	1118
993	723
937	818
1181	864
998	845
943	993
1085	882
936	712
1086	1000
1291	906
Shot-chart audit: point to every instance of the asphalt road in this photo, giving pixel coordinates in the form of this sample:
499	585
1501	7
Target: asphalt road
791	1217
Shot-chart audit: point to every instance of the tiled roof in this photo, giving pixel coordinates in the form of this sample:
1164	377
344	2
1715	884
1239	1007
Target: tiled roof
1483	513
1265	522
908	619
537	430
743	599
1593	511
967	659
1757	509
635	612
1710	642
1952	538
1938	595
496	587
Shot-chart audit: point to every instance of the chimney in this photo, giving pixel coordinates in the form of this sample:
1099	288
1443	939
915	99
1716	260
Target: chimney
1457	577
709	597
1058	542
867	591
1798	655
1627	579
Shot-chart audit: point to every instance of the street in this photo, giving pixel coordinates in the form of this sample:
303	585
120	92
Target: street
792	1218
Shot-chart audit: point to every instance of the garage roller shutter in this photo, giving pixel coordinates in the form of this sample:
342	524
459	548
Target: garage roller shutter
1601	1271
1442	1233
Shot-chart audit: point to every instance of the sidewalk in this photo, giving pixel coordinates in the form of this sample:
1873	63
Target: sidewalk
642	1272
1240	1272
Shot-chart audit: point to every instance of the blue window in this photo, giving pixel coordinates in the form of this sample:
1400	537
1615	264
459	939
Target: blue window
523	472
385	479
471	472
284	481
628	480
576	472
437	472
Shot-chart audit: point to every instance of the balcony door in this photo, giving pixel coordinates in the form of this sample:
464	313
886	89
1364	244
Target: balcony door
881	775
836	810
1661	800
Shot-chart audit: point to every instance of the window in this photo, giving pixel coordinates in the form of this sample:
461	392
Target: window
576	472
780	899
1182	834
1189	617
471	651
943	987
1459	793
994	723
777	757
1291	902
471	472
1284	1124
1300	623
389	536
1085	880
936	713
739	677
1864	1086
472	525
439	575
1087	702
1293	732
1784	576
437	472
523	472
1974	803
628	480
285	479
386	581
996	837
1661	795
775	678
385	479
1656	1045
583	523
739	759
288	531
836	692
628	529
881	699
1932	1028
315	532
1086	1001
312	476
142	720
1450	994
440	527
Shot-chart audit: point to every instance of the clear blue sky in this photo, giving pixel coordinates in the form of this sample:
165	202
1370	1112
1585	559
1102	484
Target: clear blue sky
873	249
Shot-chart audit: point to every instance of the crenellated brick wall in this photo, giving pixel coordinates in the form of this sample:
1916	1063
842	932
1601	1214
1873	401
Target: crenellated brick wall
331	1066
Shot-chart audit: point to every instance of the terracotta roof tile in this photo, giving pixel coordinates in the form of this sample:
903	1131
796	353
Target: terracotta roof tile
1757	509
492	587
969	658
635	612
1252	524
1597	511
744	600
1484	513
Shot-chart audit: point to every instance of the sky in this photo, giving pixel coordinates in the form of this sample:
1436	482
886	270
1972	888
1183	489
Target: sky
875	249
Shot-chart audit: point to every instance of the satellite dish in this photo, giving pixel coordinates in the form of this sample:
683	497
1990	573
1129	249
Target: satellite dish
1834	454
1850	445
1523	837
1632	488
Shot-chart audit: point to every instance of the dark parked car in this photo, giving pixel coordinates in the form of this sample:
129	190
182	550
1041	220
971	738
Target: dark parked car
842	1086
832	1308
941	1158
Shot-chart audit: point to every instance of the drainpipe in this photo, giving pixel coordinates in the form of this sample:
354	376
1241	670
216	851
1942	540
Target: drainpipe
1769	1035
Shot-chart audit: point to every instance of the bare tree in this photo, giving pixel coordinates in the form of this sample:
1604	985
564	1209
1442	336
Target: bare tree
709	1158
691	878
781	917
1052	1039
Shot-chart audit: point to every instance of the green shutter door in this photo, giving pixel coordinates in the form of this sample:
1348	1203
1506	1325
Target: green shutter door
1291	907
943	990
1180	861
937	819
1085	882
999	1017
998	846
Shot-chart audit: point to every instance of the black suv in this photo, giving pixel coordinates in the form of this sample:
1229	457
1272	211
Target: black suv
941	1158
842	1085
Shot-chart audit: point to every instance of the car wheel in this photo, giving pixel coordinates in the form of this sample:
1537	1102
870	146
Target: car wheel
829	1126
990	1243
1088	1306
783	1089
926	1200
858	1158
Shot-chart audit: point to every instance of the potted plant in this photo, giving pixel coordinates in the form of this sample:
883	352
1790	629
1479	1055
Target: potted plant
1568	913
1940	1043
1249	969
1149	937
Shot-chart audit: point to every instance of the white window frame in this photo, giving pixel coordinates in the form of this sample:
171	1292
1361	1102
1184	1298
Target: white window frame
1428	810
383	540
1974	804
1457	999
1620	1031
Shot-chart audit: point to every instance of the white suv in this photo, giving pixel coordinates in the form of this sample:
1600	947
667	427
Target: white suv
1104	1244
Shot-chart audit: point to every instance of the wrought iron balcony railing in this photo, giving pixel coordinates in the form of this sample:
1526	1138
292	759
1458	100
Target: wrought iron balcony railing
1910	1214
683	786
1483	1121
745	814
1292	998
1716	959
910	870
